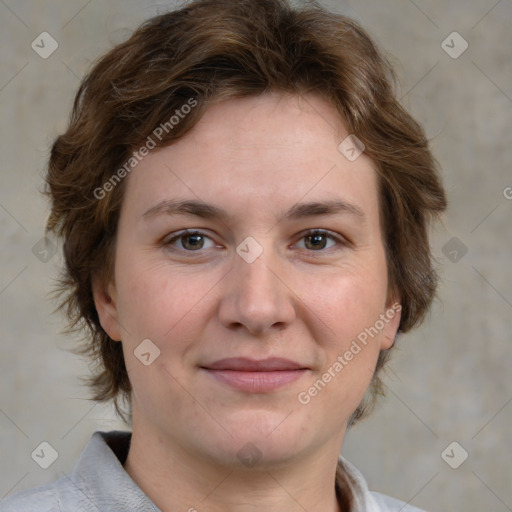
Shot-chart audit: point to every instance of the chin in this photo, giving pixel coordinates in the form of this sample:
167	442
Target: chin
261	438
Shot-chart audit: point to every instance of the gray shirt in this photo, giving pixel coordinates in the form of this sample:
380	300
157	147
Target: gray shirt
99	483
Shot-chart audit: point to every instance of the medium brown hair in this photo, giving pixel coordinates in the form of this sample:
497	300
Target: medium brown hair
212	50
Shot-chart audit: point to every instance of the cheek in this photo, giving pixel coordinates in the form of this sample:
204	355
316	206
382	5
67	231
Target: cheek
153	299
347	303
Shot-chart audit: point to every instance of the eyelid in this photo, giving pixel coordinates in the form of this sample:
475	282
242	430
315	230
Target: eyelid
168	240
339	239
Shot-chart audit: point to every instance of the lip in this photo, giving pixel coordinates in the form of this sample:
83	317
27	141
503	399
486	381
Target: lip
255	376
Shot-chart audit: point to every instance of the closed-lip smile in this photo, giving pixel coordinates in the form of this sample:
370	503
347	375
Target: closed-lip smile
255	376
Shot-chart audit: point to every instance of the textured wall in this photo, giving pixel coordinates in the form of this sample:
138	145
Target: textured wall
447	382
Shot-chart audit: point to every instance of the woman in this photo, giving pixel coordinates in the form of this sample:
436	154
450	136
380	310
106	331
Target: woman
245	208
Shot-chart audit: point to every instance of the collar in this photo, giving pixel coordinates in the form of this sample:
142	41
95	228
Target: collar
100	477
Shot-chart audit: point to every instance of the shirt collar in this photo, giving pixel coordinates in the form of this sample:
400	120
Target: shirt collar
100	476
362	499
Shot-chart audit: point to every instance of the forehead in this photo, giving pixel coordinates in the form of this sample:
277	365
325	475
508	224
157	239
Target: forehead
258	153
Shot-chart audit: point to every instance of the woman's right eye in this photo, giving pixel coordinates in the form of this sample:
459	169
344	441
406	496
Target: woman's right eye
190	241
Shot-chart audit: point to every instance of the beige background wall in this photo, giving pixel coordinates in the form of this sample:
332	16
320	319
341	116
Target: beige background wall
449	381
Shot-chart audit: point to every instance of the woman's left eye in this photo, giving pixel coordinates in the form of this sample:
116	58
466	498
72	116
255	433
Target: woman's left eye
317	240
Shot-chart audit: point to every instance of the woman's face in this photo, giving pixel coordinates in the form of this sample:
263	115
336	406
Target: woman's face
282	269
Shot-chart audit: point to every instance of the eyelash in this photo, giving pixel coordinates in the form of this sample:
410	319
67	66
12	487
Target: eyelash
340	241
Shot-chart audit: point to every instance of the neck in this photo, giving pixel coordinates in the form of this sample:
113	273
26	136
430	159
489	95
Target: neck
176	480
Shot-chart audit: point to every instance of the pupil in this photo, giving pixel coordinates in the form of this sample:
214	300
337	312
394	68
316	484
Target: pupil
196	241
317	240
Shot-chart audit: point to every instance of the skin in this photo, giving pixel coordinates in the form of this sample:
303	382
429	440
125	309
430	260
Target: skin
255	158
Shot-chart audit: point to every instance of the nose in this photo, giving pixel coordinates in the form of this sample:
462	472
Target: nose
256	297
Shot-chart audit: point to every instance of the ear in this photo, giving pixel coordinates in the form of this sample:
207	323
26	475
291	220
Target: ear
392	316
106	306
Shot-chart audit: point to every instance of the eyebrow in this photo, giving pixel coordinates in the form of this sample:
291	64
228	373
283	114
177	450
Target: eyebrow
209	211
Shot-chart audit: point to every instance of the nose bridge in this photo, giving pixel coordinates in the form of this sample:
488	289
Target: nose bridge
257	279
256	298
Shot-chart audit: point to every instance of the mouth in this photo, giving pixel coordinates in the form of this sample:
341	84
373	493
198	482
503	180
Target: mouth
253	376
